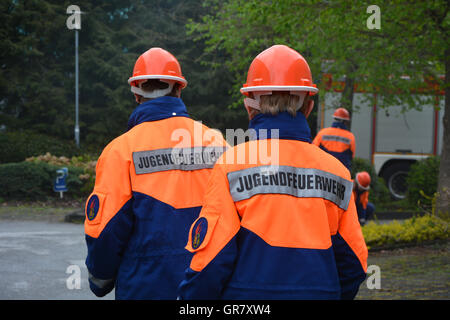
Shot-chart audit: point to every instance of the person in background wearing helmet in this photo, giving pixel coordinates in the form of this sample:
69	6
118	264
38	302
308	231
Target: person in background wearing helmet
284	229
361	188
337	140
148	189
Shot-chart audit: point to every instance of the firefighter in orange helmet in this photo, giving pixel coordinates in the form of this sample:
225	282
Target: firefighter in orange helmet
337	140
148	188
283	225
361	188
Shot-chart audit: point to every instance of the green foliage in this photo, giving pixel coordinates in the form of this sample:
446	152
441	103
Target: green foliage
86	163
378	194
34	181
19	145
422	182
334	38
37	77
412	231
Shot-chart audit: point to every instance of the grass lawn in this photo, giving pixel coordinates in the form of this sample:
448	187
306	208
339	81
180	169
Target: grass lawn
421	272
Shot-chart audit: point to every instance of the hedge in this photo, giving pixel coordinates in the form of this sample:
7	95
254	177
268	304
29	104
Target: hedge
413	231
422	182
31	181
17	146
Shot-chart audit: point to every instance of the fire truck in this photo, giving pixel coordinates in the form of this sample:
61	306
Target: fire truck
390	138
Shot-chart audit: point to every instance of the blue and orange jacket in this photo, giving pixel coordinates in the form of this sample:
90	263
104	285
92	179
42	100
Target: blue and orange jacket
278	226
149	187
338	141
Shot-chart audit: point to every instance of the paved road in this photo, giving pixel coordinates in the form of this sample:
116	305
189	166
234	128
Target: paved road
40	260
43	261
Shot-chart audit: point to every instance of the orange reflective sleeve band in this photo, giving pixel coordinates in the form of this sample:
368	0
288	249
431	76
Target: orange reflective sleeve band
217	224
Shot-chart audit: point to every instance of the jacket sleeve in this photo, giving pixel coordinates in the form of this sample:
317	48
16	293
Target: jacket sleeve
353	146
365	199
108	220
212	239
350	252
318	139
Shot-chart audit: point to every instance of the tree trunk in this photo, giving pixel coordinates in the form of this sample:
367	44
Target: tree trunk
443	197
347	96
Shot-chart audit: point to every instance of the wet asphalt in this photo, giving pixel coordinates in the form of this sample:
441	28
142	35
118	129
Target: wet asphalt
43	261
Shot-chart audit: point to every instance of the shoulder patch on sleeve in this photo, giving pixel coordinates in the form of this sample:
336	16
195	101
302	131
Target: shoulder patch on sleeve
94	207
200	232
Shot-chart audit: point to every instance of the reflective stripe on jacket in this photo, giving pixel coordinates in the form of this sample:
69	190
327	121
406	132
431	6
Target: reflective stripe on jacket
149	187
337	141
285	230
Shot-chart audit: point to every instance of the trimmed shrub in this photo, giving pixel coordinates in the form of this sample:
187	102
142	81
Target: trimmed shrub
17	146
412	231
85	162
422	182
34	181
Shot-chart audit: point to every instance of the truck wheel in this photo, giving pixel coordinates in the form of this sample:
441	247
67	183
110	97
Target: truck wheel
395	177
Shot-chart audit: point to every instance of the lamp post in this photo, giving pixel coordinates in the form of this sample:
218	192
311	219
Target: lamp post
74	23
77	127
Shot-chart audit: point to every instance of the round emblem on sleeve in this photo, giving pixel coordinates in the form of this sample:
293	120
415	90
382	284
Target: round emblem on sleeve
199	232
92	207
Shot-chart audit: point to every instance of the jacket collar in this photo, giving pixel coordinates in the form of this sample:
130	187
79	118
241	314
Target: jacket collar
339	124
290	128
157	109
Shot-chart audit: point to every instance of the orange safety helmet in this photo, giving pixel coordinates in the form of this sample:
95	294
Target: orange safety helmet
341	114
156	63
278	68
363	180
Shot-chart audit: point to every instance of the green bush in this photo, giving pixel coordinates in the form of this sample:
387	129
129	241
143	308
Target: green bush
378	194
85	162
422	182
412	231
31	181
17	146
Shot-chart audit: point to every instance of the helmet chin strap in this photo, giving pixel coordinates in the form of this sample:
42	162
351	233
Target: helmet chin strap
155	93
251	103
255	103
